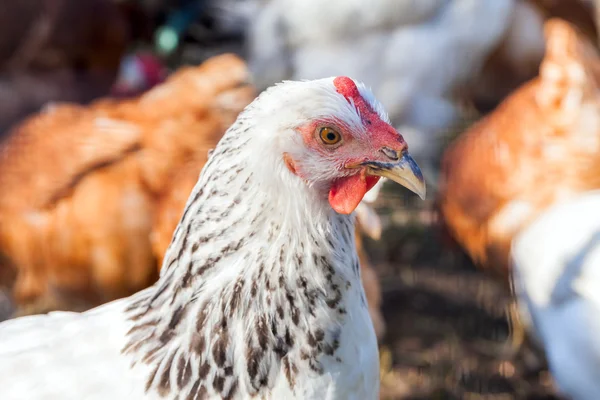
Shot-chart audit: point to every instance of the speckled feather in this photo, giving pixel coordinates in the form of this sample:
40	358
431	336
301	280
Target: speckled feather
259	296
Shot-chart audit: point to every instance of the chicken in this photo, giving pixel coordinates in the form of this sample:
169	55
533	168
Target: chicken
80	184
539	147
557	277
170	206
419	57
260	293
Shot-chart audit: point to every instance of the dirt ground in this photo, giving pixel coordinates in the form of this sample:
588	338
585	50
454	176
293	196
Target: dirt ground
448	335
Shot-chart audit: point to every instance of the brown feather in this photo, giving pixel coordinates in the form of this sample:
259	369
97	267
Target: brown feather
540	146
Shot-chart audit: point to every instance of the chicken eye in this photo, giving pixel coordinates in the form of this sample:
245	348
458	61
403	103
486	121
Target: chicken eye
329	136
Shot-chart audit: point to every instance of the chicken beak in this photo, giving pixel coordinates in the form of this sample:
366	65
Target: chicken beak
405	171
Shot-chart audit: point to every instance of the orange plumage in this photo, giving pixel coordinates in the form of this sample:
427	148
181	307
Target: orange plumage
80	184
540	146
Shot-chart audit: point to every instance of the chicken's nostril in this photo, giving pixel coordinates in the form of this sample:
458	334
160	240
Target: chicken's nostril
390	153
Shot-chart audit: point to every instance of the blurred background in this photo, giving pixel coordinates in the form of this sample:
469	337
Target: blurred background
108	109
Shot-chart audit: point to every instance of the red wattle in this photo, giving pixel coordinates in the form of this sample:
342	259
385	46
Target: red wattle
372	181
346	193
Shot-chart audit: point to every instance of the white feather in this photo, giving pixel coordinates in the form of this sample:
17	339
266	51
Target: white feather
557	279
248	220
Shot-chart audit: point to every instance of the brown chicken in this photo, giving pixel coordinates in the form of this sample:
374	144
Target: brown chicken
540	146
79	184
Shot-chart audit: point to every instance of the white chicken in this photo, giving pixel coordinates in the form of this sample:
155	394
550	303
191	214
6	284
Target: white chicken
260	293
417	56
556	263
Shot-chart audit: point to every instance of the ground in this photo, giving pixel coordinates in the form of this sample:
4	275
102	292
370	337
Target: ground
448	331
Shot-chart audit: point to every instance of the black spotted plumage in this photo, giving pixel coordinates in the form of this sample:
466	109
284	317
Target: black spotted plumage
259	294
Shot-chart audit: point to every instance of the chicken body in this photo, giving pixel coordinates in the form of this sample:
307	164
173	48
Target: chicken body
540	147
171	204
64	356
557	276
260	292
80	184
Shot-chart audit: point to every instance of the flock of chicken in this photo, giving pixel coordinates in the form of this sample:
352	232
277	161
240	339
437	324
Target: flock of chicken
88	192
94	225
91	195
521	179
